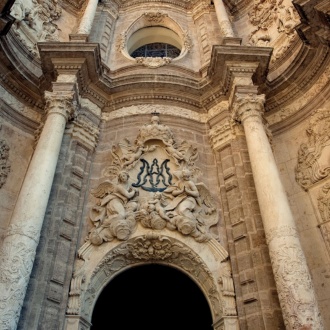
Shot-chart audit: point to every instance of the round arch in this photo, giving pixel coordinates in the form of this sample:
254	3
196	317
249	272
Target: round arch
152	296
96	267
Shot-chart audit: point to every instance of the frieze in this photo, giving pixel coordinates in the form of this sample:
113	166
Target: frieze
154	17
151	182
309	170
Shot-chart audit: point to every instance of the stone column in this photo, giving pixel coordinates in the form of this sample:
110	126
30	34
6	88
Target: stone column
17	253
225	25
88	17
293	281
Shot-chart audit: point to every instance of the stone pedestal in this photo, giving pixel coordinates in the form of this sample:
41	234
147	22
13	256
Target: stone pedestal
293	281
22	237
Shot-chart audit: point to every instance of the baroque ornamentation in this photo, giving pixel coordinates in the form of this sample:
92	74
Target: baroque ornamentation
246	105
16	264
63	104
35	21
153	62
273	19
147	248
309	170
4	163
294	287
164	194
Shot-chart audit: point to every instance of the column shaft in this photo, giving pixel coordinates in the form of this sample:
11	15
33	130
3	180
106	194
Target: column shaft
17	253
225	25
293	281
86	22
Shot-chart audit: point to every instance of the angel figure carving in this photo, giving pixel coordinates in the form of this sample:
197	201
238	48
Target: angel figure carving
114	216
190	208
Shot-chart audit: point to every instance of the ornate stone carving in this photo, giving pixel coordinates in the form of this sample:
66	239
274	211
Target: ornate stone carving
114	216
294	286
150	248
273	19
163	195
4	163
309	170
153	62
62	103
34	21
247	105
154	17
16	261
323	202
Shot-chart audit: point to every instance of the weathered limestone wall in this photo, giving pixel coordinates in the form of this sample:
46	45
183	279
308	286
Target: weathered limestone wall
311	206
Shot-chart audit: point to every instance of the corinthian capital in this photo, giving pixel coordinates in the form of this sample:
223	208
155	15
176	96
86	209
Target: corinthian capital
63	104
247	105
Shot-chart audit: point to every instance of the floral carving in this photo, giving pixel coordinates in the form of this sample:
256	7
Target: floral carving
308	170
153	62
164	194
4	163
154	17
16	263
295	287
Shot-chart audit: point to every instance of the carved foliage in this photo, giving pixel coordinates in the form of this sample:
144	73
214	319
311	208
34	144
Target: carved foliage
16	261
309	170
151	248
293	281
4	163
153	62
273	19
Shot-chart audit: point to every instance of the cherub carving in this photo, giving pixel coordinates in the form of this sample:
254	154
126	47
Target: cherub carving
114	215
190	208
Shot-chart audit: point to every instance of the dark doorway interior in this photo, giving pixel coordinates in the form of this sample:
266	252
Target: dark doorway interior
152	297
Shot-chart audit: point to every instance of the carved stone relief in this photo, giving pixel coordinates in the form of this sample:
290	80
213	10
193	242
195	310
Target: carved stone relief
88	281
153	62
35	21
323	203
4	163
312	167
273	20
163	192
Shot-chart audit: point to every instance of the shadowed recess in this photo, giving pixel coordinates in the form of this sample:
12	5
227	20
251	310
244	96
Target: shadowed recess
152	297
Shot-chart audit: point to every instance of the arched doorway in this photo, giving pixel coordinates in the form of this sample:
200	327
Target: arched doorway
151	297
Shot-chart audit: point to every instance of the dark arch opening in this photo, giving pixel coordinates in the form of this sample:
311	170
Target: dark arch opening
152	297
